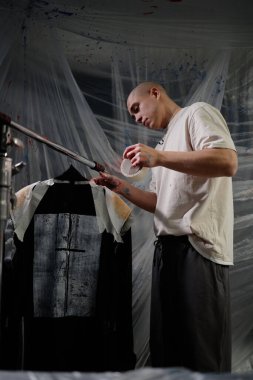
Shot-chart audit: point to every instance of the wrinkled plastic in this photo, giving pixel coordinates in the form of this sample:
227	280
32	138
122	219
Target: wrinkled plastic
79	101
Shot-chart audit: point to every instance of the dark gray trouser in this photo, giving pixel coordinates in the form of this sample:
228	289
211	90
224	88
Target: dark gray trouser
190	309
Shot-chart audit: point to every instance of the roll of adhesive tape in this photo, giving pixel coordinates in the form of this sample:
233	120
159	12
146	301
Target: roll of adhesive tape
128	170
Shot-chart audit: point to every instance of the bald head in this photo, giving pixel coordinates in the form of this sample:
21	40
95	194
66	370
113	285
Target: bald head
149	105
144	88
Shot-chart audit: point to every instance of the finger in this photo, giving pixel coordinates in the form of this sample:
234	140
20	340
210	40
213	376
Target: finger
128	150
136	159
104	175
107	179
133	154
97	181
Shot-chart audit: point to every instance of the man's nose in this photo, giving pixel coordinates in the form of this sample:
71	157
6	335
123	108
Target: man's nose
138	118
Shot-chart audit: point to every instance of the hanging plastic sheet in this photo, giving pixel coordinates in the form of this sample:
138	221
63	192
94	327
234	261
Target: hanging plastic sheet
82	107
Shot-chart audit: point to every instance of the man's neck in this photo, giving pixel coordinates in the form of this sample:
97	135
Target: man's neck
174	111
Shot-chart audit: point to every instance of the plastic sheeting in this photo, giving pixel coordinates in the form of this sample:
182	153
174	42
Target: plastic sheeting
66	71
140	374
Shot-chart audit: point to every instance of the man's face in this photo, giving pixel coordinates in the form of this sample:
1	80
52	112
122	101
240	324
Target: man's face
145	109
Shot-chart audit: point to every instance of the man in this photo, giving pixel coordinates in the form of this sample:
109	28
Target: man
191	198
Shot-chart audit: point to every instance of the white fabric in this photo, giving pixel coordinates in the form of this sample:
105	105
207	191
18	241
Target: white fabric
193	205
27	200
113	214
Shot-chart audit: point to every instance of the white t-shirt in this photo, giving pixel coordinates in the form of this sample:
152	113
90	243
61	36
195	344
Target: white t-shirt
201	208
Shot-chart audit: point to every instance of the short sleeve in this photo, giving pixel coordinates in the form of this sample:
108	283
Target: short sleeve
208	129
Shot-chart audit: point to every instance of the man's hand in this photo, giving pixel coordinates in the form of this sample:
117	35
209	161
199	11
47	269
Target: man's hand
113	183
141	198
210	162
141	155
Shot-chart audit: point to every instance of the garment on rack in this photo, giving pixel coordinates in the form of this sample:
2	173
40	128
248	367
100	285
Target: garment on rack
68	279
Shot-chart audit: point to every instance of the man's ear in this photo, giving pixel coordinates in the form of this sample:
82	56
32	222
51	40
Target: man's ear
154	92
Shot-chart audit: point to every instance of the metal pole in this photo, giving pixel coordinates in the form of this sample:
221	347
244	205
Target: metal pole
59	148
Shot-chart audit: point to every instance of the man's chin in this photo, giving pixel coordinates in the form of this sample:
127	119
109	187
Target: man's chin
155	127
